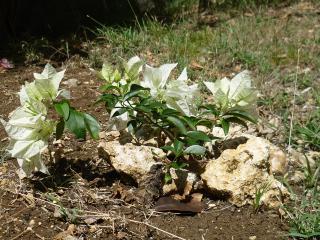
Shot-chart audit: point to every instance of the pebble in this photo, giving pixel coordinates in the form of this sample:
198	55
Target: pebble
72	82
32	223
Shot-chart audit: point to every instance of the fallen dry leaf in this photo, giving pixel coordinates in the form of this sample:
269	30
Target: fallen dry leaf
196	66
168	204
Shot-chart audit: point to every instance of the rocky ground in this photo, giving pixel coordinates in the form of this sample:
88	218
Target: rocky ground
93	194
85	198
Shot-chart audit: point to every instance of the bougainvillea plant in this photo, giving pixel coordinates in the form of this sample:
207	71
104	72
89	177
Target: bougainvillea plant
30	126
140	97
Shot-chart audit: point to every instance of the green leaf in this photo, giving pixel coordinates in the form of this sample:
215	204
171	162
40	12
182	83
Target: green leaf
134	91
109	87
143	109
167	178
168	148
238	121
198	136
92	125
190	121
63	109
178	147
109	99
178	165
242	114
169	112
211	109
225	126
205	122
60	129
177	123
195	150
76	124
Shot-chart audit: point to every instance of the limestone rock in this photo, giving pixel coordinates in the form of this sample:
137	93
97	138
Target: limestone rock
300	162
135	161
183	182
238	173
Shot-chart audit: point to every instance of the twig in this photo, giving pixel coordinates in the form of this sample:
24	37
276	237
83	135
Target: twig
294	100
154	227
21	234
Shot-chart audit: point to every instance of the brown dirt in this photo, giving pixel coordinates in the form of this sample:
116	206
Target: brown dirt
94	198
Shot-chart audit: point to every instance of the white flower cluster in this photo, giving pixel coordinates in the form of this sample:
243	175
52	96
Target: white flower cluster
28	127
177	93
235	93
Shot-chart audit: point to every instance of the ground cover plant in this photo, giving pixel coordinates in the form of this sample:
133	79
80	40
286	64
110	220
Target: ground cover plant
87	199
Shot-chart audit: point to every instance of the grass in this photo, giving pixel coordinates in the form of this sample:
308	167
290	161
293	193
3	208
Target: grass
260	42
304	214
305	218
260	191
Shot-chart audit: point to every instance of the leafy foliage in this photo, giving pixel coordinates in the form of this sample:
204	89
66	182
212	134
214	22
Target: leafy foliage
77	122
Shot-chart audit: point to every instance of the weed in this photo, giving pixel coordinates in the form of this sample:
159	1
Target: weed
311	174
68	215
304	217
260	191
32	50
310	132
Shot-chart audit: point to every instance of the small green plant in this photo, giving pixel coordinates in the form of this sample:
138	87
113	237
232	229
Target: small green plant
68	215
312	174
144	100
32	124
260	191
310	133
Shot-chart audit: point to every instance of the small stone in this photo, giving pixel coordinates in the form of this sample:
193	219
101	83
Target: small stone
31	223
72	82
252	237
278	161
102	135
60	192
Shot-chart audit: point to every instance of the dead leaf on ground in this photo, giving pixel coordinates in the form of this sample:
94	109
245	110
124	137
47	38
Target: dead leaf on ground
196	66
168	204
66	235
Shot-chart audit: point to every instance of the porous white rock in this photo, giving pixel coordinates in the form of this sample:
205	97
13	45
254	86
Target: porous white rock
183	182
239	173
301	162
133	160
